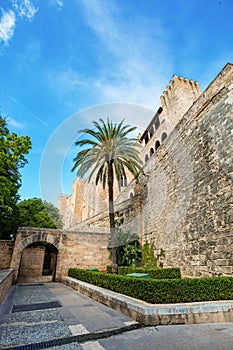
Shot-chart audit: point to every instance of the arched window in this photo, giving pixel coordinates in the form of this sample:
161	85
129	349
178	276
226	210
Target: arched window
157	144
131	195
164	136
146	158
152	151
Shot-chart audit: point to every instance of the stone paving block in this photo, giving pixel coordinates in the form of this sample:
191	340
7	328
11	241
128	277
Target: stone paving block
92	345
78	329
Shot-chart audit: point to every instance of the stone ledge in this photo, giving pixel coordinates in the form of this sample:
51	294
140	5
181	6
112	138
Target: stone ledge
6	277
156	314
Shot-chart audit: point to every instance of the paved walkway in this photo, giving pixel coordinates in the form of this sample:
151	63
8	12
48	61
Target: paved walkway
45	312
54	316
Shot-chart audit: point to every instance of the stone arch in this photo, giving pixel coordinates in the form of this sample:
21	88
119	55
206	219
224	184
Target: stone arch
40	237
157	144
164	136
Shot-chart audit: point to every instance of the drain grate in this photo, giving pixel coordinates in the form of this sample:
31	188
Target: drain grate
30	285
33	307
77	338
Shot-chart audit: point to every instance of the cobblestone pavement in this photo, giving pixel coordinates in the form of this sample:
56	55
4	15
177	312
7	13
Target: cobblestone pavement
54	316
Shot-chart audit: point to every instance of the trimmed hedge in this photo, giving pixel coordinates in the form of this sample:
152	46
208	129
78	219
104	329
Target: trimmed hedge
157	291
161	273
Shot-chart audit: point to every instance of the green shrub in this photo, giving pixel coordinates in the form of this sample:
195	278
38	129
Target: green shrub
109	269
161	273
161	290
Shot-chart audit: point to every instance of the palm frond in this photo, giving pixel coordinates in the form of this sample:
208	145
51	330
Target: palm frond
109	142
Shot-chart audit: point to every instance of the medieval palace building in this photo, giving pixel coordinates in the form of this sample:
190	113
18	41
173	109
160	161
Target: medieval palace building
184	203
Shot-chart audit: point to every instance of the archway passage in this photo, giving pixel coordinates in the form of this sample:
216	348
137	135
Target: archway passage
38	263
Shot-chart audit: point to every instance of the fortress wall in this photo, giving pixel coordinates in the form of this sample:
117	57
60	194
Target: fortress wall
188	206
184	203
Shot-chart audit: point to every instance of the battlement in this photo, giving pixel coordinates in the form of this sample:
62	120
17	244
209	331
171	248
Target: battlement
179	83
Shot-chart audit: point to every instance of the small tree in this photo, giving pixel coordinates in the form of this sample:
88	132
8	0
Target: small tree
34	212
109	152
13	149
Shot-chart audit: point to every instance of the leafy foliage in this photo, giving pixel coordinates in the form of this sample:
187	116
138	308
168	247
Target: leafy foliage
108	144
149	259
12	159
37	213
129	252
157	291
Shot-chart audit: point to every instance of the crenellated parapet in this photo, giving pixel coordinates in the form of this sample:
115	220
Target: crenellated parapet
179	84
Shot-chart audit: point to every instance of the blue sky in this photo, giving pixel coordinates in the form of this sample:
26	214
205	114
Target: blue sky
64	63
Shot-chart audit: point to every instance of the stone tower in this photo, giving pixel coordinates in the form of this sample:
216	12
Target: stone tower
178	97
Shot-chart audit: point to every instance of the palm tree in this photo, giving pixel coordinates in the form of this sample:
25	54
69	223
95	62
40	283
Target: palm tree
108	153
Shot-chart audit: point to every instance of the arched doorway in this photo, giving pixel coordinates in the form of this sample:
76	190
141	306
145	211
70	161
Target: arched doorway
26	236
38	263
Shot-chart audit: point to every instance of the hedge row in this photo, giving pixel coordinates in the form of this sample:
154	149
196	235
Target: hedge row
161	291
161	273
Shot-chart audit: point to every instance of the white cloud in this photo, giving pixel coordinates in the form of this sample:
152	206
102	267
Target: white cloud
60	4
14	123
25	8
7	26
135	71
65	80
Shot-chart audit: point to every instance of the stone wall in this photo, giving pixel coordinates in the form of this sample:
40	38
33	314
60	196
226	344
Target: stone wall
6	278
187	208
31	264
6	251
83	249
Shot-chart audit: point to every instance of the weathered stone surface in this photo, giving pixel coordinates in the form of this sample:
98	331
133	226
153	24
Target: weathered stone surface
6	278
6	251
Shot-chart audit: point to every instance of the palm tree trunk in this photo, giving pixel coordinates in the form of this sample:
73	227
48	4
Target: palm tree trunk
112	218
